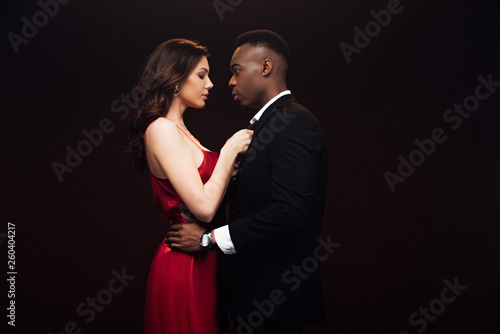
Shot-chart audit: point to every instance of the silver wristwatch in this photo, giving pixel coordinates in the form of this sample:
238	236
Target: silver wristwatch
206	240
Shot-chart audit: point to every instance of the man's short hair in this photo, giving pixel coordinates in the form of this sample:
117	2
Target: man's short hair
268	39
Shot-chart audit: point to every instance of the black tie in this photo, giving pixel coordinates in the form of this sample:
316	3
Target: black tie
239	156
252	124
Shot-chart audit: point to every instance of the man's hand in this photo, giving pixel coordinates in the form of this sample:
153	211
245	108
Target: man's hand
185	237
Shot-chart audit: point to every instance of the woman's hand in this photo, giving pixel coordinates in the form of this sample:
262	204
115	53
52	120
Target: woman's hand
239	142
165	141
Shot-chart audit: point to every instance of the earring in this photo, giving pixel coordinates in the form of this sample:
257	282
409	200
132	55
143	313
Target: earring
176	90
264	73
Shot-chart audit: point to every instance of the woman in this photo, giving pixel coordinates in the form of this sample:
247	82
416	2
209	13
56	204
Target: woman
181	290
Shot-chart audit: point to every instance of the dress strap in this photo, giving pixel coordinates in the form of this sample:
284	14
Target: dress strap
190	138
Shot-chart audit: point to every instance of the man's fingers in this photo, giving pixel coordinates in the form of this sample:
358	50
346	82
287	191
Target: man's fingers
175	227
175	234
171	239
174	246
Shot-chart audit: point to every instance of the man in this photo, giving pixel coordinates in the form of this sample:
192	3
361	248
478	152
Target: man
276	201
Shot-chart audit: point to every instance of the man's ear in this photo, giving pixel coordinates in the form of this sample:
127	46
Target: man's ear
267	66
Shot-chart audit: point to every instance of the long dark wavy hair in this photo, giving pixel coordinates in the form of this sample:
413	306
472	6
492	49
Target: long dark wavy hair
169	65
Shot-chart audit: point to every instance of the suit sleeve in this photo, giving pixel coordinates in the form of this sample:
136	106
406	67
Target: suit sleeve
294	154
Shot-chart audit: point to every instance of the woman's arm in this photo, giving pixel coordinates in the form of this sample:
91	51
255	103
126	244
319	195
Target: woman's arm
168	148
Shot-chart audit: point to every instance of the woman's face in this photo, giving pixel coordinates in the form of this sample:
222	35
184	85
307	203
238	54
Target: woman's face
194	91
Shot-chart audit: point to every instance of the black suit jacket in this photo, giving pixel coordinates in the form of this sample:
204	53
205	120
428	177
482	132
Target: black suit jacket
275	216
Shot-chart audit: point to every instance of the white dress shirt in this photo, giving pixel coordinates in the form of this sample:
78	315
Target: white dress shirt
221	234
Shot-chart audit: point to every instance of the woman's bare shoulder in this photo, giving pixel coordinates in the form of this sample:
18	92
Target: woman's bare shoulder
162	124
161	128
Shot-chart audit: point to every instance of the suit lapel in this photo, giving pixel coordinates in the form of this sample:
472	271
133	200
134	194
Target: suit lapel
279	103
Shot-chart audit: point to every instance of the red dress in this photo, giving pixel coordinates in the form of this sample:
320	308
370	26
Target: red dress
181	289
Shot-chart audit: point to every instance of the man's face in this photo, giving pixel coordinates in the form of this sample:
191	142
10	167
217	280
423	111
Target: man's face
247	82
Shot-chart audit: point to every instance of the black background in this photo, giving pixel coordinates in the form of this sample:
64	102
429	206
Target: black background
397	247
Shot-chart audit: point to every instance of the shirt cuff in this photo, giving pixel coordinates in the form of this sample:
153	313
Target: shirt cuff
223	240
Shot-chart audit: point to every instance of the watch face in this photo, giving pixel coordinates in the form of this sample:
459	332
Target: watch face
205	241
